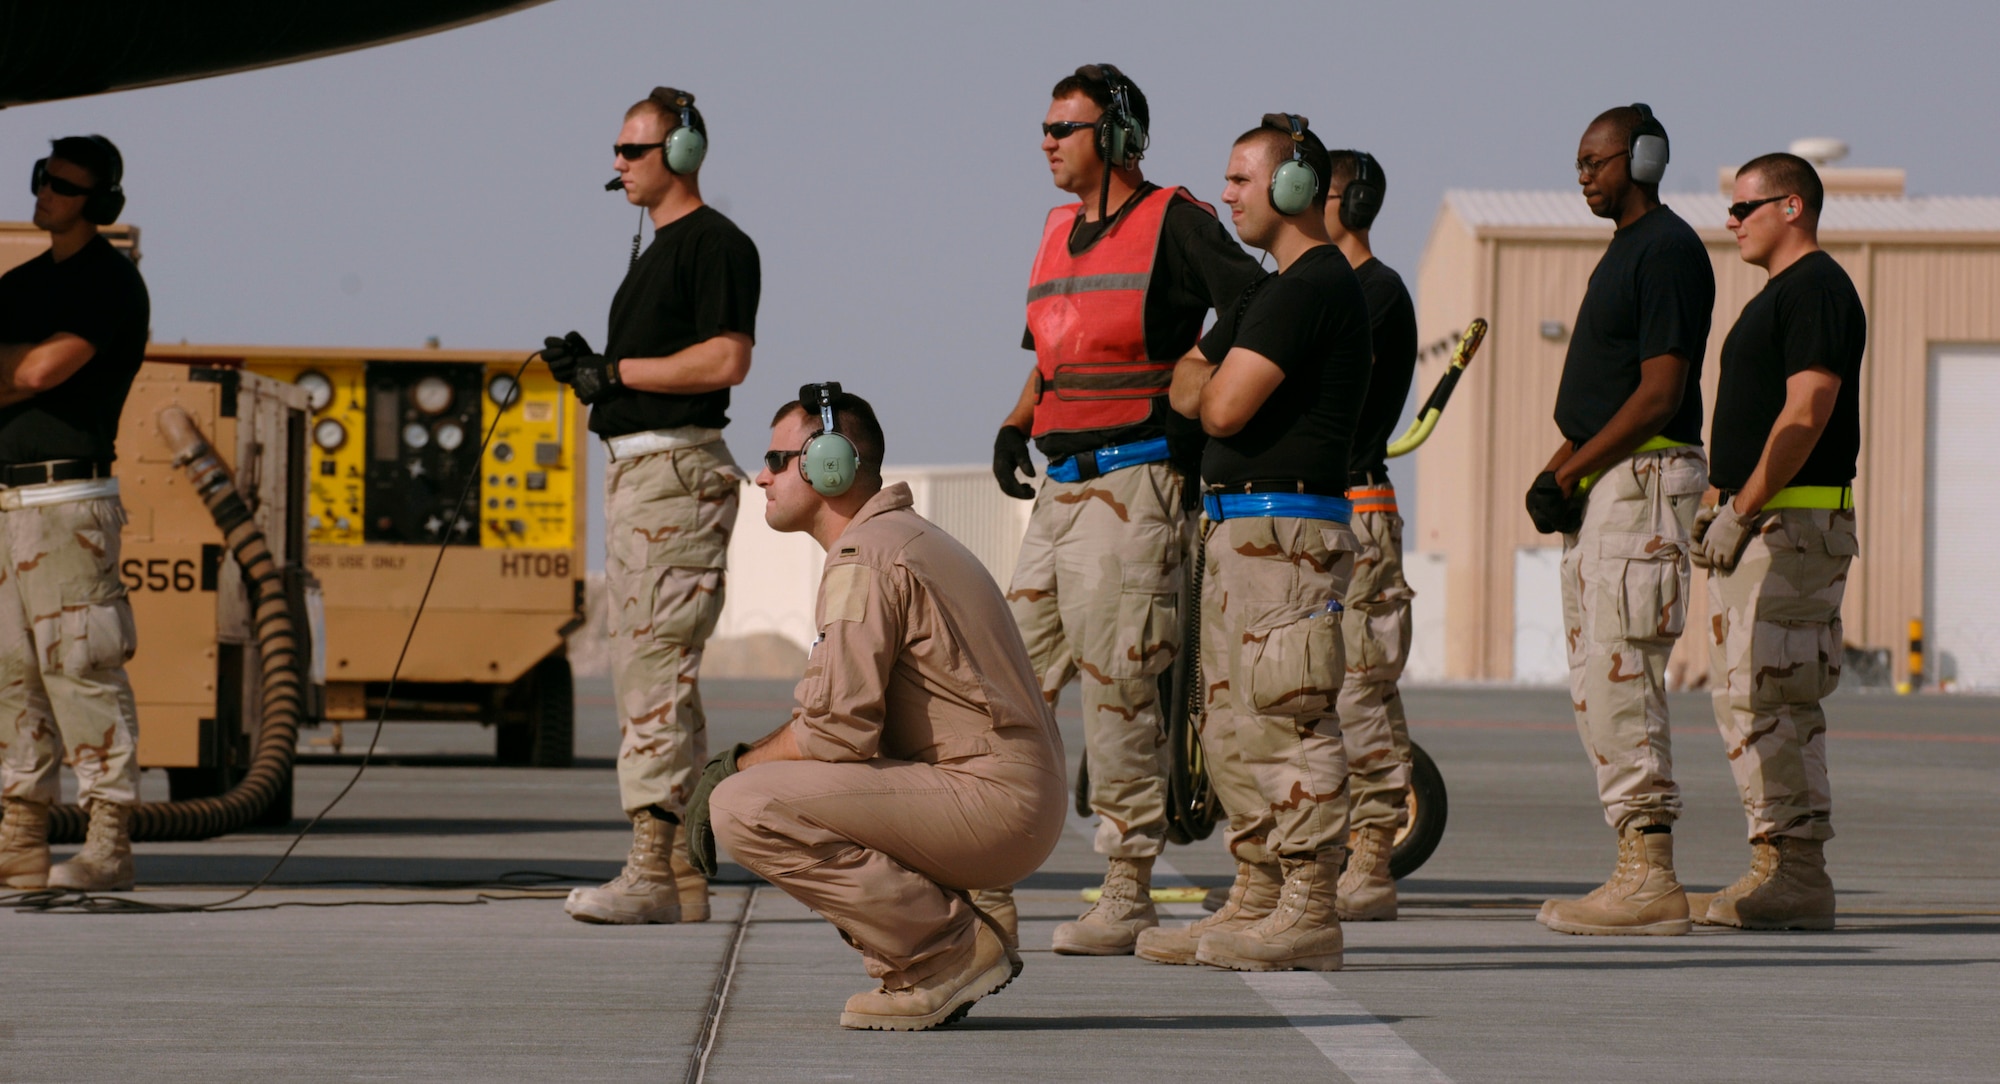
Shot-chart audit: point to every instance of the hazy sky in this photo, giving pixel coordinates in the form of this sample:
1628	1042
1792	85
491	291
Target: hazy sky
884	156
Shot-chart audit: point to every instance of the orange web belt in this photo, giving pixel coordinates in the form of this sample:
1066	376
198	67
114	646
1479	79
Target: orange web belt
1373	499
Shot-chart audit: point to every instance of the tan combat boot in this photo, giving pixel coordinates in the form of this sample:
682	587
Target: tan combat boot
644	891
1763	859
688	881
941	999
1302	933
105	862
1628	860
1367	890
1253	896
1644	898
1111	926
1797	895
24	844
998	905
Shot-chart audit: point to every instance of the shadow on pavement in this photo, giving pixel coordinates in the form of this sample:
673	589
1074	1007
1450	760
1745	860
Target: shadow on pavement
1163	1023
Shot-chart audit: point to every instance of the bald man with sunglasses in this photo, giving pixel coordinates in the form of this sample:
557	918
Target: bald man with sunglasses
1120	286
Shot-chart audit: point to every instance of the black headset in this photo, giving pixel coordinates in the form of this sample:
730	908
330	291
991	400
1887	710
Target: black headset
104	203
1293	183
829	461
1361	199
1647	157
1121	139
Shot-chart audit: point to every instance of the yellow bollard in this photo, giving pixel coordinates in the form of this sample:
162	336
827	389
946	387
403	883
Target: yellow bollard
1916	656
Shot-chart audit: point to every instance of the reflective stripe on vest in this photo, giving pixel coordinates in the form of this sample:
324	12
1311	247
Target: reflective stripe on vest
1087	314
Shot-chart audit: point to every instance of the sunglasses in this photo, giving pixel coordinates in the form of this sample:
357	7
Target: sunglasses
1741	211
60	186
1588	167
777	462
1063	129
632	152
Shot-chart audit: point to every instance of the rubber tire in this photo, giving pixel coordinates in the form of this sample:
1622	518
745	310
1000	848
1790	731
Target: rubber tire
553	714
1428	812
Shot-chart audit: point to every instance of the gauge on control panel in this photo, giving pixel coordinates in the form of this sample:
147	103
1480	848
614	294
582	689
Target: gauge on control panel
329	434
449	436
416	436
503	391
431	395
319	390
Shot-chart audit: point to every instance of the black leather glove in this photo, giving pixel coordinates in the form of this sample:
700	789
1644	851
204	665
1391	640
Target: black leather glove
572	362
701	836
1010	454
1552	512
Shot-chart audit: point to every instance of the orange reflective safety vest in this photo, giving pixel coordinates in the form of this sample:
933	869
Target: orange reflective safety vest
1087	314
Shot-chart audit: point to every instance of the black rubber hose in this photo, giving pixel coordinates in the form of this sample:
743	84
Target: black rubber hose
1193	807
278	646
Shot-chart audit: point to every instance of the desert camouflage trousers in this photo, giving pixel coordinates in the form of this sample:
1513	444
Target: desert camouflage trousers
1624	585
65	635
1375	633
1774	652
667	521
1271	670
1096	593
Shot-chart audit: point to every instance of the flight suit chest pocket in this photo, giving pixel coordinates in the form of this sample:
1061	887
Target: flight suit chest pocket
1644	583
1293	667
1148	620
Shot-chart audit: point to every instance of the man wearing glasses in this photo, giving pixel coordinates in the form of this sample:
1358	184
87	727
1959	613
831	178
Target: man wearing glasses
73	325
1119	289
1622	489
1777	537
682	325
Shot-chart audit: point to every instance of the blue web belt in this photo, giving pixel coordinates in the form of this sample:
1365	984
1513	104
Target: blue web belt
1083	466
1221	506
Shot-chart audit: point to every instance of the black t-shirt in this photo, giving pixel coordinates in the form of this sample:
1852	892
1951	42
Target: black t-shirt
1312	322
1392	328
98	296
699	278
1197	267
1807	316
1652	293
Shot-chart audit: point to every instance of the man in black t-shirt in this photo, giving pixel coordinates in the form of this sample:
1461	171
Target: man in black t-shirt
682	326
1777	538
1119	288
73	325
1622	489
1278	385
1375	630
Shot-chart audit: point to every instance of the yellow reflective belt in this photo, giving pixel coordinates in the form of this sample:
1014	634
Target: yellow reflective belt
1839	498
1657	444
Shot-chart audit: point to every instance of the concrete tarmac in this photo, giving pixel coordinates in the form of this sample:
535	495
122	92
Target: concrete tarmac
420	936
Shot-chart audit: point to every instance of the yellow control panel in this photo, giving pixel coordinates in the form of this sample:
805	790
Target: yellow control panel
528	474
338	395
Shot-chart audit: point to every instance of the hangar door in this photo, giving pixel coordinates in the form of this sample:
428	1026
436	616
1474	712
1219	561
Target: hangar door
1963	577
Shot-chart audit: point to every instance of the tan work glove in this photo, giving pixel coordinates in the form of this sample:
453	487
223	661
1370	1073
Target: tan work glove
1722	543
1702	519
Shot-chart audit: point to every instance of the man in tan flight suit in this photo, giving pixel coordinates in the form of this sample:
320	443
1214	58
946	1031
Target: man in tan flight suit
921	761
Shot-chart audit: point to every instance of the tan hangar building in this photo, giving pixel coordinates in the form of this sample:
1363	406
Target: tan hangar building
1928	269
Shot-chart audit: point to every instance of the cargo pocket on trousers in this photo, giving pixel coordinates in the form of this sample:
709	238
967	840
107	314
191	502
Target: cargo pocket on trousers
1795	648
1647	581
1377	639
1148	622
96	636
685	605
1294	668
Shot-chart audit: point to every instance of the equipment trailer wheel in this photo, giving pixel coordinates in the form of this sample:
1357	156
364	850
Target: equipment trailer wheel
541	732
1428	809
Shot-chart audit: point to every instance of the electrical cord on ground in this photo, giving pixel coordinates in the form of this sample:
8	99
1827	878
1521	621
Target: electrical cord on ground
220	487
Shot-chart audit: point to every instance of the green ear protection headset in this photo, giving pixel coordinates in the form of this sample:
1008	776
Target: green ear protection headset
1361	198
105	202
829	460
686	145
1294	183
1647	162
1121	139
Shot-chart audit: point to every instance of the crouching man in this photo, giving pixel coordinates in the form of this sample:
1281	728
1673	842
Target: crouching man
920	761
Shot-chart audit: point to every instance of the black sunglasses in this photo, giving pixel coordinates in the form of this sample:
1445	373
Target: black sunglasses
632	152
1741	211
63	187
776	462
1063	129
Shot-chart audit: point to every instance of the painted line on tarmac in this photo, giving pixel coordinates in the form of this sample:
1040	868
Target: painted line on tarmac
1367	1050
1710	732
